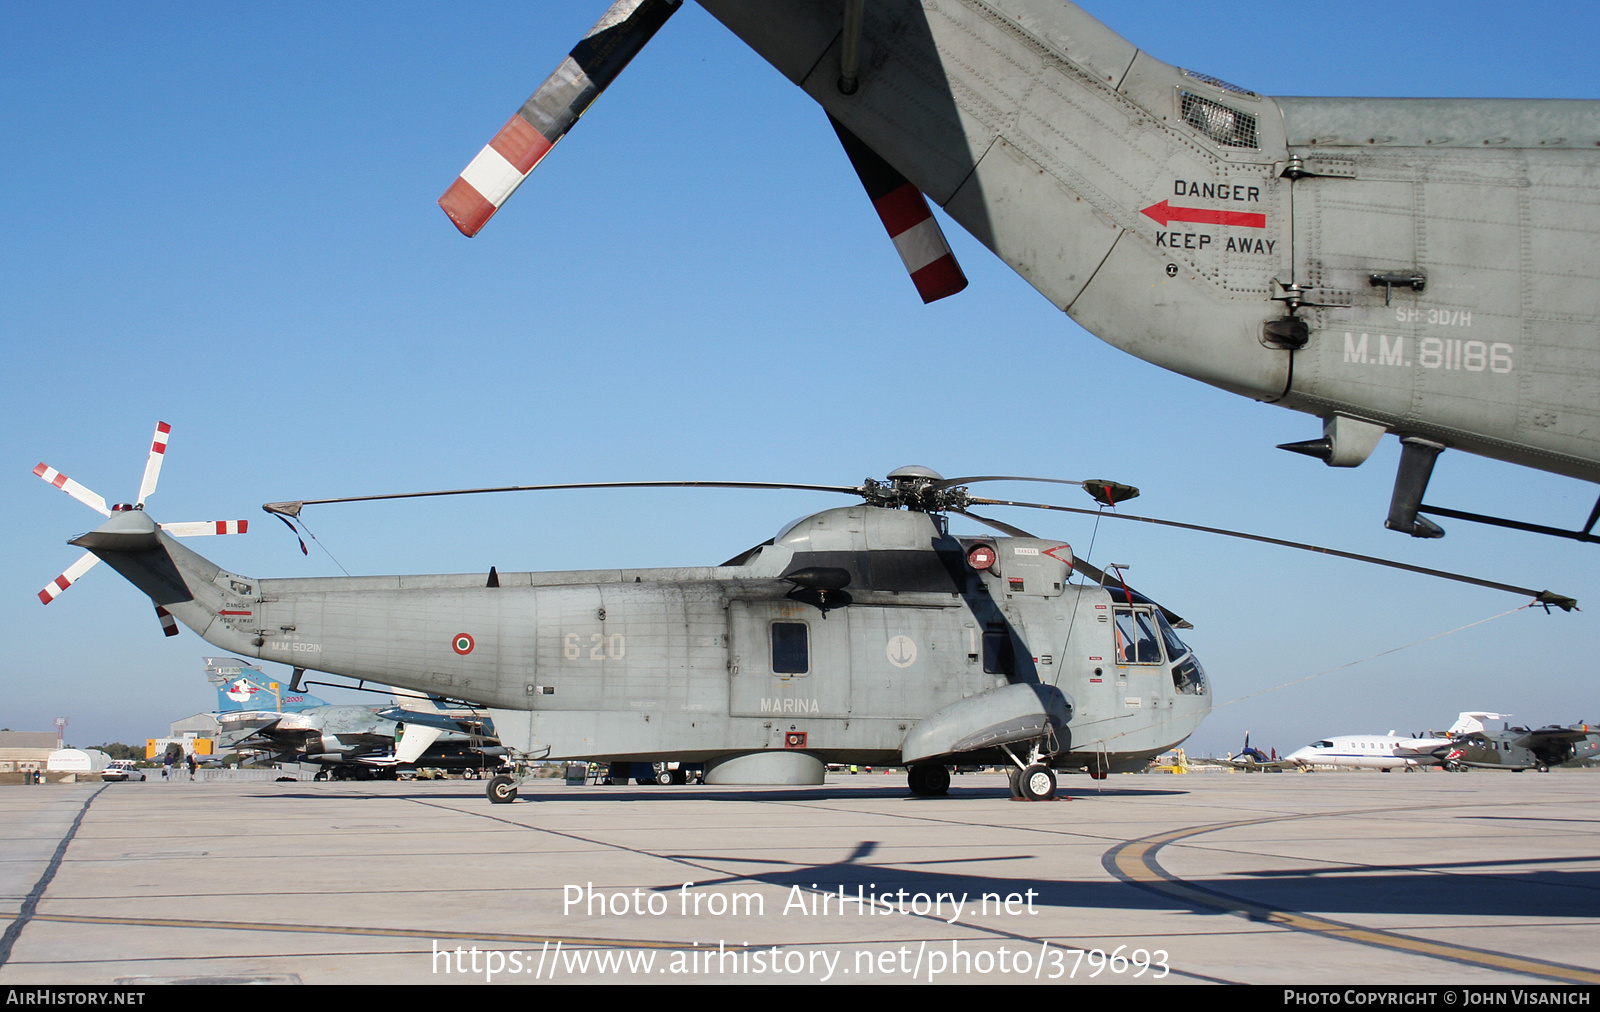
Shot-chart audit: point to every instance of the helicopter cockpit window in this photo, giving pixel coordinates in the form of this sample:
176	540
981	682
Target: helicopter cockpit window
1175	647
791	649
1136	637
1189	677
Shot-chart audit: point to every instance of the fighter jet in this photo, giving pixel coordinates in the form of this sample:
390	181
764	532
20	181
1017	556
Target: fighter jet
346	741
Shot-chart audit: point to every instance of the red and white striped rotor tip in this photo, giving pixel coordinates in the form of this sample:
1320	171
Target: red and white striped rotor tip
152	466
74	573
91	499
511	155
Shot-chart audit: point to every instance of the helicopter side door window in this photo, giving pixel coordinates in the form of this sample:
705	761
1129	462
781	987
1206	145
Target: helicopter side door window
999	657
791	648
1136	638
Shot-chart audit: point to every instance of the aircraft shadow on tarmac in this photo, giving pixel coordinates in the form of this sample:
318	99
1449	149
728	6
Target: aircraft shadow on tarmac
1418	889
1446	889
895	792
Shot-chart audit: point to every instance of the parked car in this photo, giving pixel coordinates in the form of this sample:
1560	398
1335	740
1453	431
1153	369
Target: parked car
122	769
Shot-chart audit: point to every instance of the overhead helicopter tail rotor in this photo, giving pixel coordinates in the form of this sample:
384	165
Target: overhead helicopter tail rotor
113	541
513	153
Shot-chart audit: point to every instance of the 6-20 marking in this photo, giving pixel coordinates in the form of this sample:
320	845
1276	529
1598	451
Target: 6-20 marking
599	647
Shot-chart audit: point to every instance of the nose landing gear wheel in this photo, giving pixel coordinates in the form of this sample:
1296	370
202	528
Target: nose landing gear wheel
502	790
1037	783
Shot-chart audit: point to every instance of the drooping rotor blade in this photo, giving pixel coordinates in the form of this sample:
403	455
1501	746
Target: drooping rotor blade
490	179
1079	565
1541	596
199	528
292	509
152	466
90	499
904	212
74	573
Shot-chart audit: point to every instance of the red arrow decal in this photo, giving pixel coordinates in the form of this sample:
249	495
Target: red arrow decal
1164	213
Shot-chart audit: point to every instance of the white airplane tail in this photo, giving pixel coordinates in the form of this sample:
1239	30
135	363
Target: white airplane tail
1471	722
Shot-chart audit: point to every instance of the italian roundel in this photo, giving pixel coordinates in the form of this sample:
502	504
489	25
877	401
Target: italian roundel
462	644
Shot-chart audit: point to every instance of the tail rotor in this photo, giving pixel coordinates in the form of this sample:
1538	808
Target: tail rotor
97	502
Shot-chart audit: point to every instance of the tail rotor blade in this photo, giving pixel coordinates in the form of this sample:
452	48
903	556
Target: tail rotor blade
169	625
200	528
74	573
90	499
904	212
152	466
490	179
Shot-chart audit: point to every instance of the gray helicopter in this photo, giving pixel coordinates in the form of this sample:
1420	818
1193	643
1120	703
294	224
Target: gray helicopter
866	634
1426	267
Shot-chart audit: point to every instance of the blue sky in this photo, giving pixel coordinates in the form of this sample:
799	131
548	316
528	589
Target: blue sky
223	216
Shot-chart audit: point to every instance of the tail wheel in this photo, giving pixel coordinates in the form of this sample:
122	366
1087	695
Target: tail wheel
1037	783
502	790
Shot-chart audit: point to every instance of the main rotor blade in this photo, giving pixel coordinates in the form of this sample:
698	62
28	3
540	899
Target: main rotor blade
1541	596
1102	491
953	482
152	466
904	212
292	509
491	178
93	500
1079	565
74	573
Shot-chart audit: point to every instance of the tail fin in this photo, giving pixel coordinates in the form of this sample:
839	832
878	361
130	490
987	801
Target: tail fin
241	686
213	602
1471	722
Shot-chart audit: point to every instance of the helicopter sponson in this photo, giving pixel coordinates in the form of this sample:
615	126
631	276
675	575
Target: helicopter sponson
861	635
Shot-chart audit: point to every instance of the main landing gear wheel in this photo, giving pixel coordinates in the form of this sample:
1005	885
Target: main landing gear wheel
665	778
1014	775
928	781
1037	783
502	790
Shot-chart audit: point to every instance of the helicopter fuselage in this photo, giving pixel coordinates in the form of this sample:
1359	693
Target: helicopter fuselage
835	641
